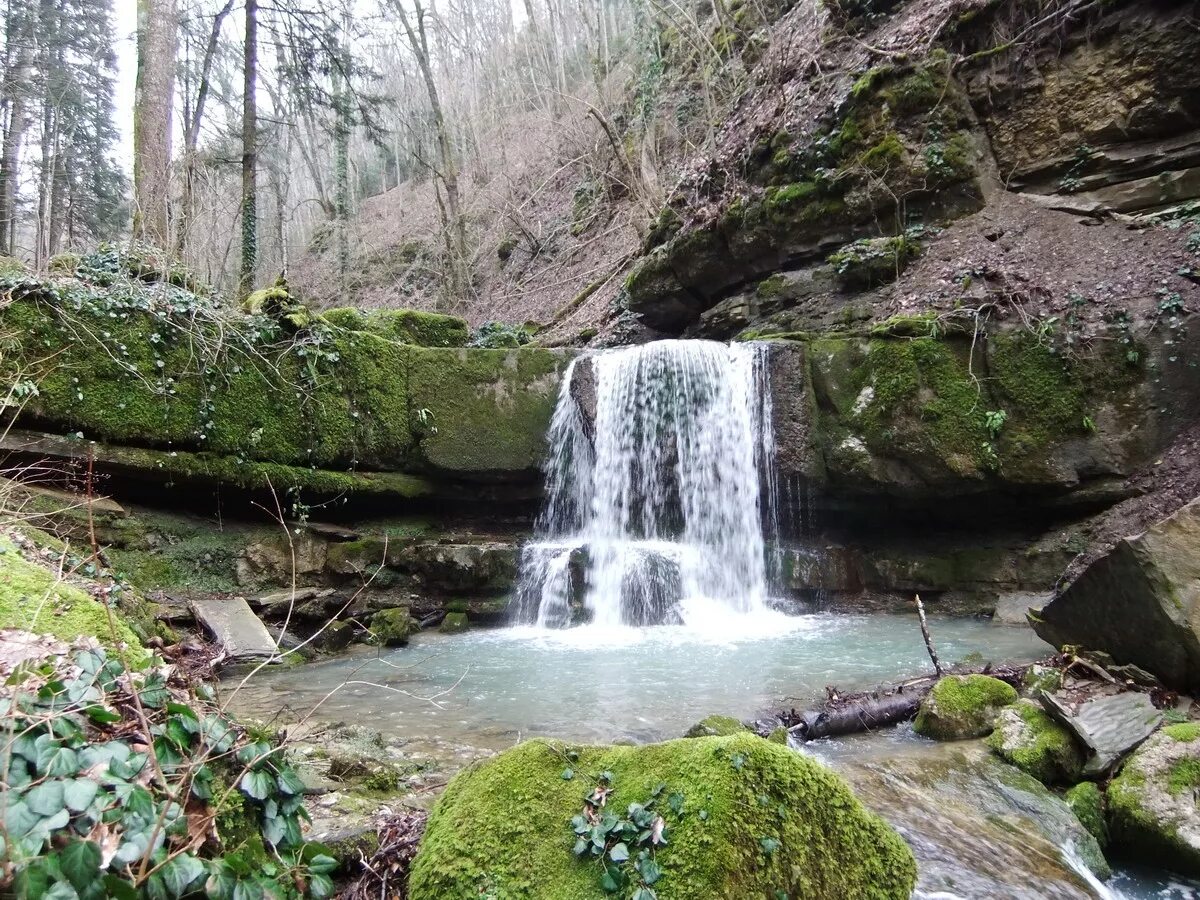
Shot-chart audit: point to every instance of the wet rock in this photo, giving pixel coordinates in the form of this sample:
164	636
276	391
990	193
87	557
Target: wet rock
1041	678
1108	727
393	627
334	637
1138	602
1087	802
962	706
234	626
827	845
1152	802
1027	737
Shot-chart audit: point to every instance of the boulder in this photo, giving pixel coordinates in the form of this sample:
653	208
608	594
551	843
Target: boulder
454	623
962	706
1140	602
738	816
1027	737
1152	809
393	627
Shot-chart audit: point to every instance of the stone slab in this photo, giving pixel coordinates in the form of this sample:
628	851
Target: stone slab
235	627
1109	726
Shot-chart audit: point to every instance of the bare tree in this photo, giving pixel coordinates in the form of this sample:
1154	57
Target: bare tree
157	39
249	150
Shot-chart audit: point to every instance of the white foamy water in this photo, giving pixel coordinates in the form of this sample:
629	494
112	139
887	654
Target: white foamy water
654	511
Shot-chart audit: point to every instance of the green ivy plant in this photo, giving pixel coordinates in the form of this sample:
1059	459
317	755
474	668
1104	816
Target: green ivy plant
115	780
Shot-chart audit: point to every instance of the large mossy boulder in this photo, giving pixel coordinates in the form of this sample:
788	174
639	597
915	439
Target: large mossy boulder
393	627
1027	737
1140	603
962	706
1152	810
743	817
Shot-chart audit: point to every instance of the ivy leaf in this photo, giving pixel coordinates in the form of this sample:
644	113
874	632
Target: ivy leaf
180	873
703	815
257	784
675	802
581	846
80	862
649	869
322	864
567	774
619	853
612	881
320	886
644	893
102	716
46	799
118	888
290	782
78	793
769	845
55	760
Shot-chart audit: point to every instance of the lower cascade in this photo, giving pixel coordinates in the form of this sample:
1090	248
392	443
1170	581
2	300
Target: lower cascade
660	459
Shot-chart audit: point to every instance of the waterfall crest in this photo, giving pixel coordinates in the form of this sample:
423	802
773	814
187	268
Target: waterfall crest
655	497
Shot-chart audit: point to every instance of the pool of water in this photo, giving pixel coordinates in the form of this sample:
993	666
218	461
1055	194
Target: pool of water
491	688
974	832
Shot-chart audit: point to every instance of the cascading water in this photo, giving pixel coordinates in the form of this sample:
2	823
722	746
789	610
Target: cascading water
654	510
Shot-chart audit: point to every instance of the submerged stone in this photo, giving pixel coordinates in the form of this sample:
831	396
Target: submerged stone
454	623
1152	811
741	817
1028	738
962	706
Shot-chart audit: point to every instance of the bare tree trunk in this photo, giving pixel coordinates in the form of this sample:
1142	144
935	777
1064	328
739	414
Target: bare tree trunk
10	157
453	220
158	26
249	151
192	137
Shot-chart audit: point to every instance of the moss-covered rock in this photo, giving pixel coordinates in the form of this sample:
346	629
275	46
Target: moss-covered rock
871	262
454	623
1087	802
1152	811
34	599
962	706
1041	678
393	627
716	726
750	819
1029	739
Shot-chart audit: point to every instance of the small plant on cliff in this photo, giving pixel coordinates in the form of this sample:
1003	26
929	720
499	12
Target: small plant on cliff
995	419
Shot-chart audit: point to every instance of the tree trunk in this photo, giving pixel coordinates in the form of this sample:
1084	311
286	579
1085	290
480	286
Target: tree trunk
16	83
192	137
249	151
154	93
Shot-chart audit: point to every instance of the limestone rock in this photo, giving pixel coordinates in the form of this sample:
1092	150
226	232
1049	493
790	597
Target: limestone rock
1139	603
1108	727
809	838
716	726
454	623
1152	803
1027	737
235	627
962	706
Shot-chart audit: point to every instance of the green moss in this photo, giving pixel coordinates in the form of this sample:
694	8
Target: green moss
34	599
502	827
64	263
11	267
454	623
1042	678
393	627
716	726
1036	744
1184	775
424	329
962	706
1184	732
778	736
871	262
1087	802
483	410
924	324
884	154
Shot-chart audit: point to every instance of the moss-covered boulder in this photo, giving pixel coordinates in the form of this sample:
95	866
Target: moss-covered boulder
1152	810
34	598
1029	739
741	817
716	726
454	623
962	706
1087	802
393	627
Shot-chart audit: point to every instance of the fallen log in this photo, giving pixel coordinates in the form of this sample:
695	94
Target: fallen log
852	713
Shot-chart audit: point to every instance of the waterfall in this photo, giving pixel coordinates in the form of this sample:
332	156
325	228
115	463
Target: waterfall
656	478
